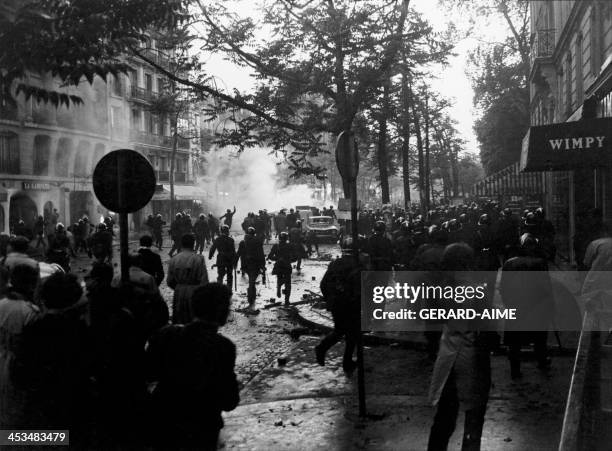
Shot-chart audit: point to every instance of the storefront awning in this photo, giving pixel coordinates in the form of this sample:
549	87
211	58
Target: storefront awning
190	192
570	145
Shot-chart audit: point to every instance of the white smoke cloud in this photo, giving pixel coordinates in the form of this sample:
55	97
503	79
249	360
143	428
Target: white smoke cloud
251	181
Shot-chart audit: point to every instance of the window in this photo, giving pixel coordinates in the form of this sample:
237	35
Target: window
579	70
596	22
9	153
98	153
149	82
42	150
161	87
80	161
136	119
116	88
116	117
568	83
163	164
62	157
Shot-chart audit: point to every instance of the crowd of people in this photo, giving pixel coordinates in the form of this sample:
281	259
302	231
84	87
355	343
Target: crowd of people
116	355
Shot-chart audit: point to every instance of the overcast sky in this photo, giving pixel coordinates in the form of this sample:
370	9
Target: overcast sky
452	81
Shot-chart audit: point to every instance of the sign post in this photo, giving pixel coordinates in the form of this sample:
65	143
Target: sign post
124	182
347	160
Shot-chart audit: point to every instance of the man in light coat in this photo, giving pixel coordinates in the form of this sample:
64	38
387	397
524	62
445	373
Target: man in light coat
186	272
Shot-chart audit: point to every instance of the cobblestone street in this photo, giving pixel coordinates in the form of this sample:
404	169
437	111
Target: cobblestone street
293	403
259	339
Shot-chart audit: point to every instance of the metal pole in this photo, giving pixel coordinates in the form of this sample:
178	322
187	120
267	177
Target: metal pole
123	242
360	368
123	221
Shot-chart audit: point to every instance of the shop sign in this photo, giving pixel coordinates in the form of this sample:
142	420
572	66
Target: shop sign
36	186
570	145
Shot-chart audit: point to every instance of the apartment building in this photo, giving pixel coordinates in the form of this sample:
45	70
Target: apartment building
571	103
48	153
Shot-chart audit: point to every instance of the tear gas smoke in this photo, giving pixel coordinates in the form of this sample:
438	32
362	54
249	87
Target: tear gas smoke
251	181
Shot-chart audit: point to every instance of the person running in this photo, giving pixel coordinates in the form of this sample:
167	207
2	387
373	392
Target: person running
226	255
283	254
250	250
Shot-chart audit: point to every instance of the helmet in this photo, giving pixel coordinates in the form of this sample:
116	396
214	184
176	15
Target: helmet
405	226
418	225
484	219
380	227
463	218
202	216
454	225
347	246
528	241
539	213
101	227
507	212
225	229
251	231
178	215
59	227
298	222
283	237
530	219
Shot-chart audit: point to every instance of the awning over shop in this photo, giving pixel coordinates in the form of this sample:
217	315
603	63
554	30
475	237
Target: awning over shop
190	192
569	145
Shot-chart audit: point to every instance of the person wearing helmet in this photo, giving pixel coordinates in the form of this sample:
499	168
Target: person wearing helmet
526	286
228	217
403	247
101	244
341	290
283	254
545	232
202	235
485	245
60	248
380	249
175	232
251	253
296	238
507	234
226	255
157	230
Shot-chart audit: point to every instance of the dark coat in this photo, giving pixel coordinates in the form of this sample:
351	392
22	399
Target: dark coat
194	367
226	250
283	254
151	263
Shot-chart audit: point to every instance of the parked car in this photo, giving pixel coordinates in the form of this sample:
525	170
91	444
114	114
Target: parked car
324	228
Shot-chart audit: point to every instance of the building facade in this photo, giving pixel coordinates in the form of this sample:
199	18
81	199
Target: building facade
48	153
571	80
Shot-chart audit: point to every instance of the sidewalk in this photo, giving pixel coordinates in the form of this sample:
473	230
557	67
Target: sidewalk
304	406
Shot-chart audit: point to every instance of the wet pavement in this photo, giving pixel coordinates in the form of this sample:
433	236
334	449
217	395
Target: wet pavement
300	405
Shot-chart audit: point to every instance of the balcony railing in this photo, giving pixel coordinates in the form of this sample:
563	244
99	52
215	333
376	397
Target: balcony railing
143	94
158	140
543	44
157	57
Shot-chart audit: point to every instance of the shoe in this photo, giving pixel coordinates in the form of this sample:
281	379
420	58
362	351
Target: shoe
320	355
278	293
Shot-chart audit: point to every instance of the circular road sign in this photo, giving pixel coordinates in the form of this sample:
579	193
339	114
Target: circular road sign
124	181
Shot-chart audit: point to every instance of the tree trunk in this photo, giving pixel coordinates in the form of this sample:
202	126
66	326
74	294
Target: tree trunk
172	158
406	140
383	154
417	130
427	181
